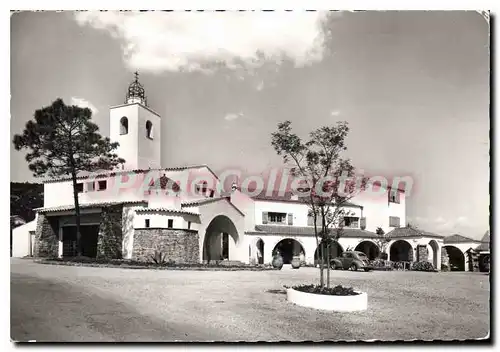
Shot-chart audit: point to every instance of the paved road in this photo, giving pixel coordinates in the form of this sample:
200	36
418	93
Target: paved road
61	303
48	310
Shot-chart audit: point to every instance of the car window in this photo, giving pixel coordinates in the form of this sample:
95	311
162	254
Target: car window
348	255
361	256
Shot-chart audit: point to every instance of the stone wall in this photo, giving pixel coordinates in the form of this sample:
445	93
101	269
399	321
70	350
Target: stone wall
110	237
178	245
47	237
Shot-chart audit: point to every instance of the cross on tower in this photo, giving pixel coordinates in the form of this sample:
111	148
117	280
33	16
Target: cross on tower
136	76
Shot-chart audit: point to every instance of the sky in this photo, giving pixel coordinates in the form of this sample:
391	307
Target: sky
413	86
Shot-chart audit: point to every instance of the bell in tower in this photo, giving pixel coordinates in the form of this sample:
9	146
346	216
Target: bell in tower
136	93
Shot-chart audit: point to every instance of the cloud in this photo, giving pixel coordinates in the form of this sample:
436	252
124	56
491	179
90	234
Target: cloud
335	113
173	41
233	116
84	104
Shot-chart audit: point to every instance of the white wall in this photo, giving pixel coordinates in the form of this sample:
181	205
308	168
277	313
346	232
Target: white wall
299	211
21	239
160	220
149	152
128	148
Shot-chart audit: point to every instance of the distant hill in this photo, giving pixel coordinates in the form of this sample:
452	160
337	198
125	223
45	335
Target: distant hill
24	197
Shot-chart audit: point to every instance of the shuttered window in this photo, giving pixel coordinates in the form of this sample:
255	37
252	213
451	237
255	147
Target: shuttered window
394	221
362	223
264	217
310	220
290	219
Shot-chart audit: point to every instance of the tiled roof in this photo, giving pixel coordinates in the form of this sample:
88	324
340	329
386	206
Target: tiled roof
195	203
402	232
456	238
305	231
85	175
85	206
165	210
211	200
485	243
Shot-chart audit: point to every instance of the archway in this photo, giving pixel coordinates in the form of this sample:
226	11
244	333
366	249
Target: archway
221	235
435	252
456	258
260	251
369	248
401	251
289	248
335	250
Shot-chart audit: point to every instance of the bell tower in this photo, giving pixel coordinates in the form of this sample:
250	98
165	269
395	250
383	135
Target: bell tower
137	128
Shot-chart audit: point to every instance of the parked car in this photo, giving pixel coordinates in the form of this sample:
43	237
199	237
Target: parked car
352	260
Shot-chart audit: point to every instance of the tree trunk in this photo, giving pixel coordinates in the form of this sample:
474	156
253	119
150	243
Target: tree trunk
322	264
328	267
77	216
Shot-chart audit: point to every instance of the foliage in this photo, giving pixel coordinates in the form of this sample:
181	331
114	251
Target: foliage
382	241
338	290
137	264
24	197
422	266
159	258
326	178
445	267
277	260
61	141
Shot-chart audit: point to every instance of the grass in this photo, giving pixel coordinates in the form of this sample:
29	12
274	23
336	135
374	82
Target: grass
252	306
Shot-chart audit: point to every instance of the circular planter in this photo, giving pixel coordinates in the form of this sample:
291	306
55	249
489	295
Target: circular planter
328	302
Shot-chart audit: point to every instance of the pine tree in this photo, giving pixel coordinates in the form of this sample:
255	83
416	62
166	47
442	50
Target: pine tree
61	141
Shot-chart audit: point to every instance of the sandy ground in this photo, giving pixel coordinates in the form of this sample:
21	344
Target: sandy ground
62	303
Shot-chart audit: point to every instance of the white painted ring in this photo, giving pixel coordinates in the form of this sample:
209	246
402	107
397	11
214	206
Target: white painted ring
328	302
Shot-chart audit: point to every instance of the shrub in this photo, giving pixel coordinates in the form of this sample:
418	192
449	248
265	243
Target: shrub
445	267
422	266
338	290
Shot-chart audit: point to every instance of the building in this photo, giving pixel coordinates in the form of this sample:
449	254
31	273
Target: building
127	213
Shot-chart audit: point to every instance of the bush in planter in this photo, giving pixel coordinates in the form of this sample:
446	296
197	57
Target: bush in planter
277	261
422	266
338	290
296	262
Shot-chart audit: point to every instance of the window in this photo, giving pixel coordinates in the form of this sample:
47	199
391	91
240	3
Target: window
102	185
290	219
79	187
310	221
277	218
149	129
394	221
170	223
123	125
394	196
189	225
146	223
351	221
90	186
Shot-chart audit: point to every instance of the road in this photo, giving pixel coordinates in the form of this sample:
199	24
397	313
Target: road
81	304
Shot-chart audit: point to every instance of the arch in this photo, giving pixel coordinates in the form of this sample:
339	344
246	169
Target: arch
260	251
335	250
456	258
149	129
369	248
288	248
123	125
435	252
220	236
401	251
